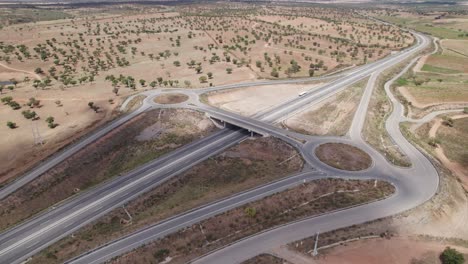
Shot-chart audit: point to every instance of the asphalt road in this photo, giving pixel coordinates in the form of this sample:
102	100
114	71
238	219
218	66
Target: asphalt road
30	237
414	186
64	154
405	198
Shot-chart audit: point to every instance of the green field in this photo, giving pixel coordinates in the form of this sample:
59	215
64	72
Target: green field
26	15
436	69
429	88
447	64
426	26
453	141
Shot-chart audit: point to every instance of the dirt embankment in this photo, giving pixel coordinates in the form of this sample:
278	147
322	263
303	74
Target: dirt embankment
265	259
140	140
387	251
173	98
450	138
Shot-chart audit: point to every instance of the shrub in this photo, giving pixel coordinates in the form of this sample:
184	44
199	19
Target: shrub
250	211
433	142
11	125
7	99
451	256
14	105
28	114
448	122
161	254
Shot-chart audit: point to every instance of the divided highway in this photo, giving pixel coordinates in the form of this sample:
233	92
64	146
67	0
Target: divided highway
22	241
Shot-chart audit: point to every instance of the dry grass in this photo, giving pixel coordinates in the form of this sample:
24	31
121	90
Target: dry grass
383	227
436	89
330	117
174	98
343	156
306	200
374	127
153	43
444	63
141	140
249	164
454	141
265	259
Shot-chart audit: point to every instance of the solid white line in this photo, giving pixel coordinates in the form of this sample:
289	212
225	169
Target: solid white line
107	197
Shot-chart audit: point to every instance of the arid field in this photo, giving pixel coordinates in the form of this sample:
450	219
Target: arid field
69	69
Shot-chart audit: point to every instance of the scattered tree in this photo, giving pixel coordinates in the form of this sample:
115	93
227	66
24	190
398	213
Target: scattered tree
11	125
93	106
14	105
50	122
448	122
202	79
452	256
6	99
28	114
33	102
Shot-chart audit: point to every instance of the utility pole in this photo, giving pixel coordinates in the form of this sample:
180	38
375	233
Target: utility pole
315	253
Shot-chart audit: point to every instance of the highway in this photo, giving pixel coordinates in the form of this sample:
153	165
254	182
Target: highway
64	154
405	198
414	186
22	241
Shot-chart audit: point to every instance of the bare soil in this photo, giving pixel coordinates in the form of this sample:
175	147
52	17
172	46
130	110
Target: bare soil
119	151
445	215
453	151
152	42
249	164
251	100
343	156
383	227
333	116
73	116
173	98
306	200
376	241
388	251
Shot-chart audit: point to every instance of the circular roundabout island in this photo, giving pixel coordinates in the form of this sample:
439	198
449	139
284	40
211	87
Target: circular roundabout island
171	98
343	156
